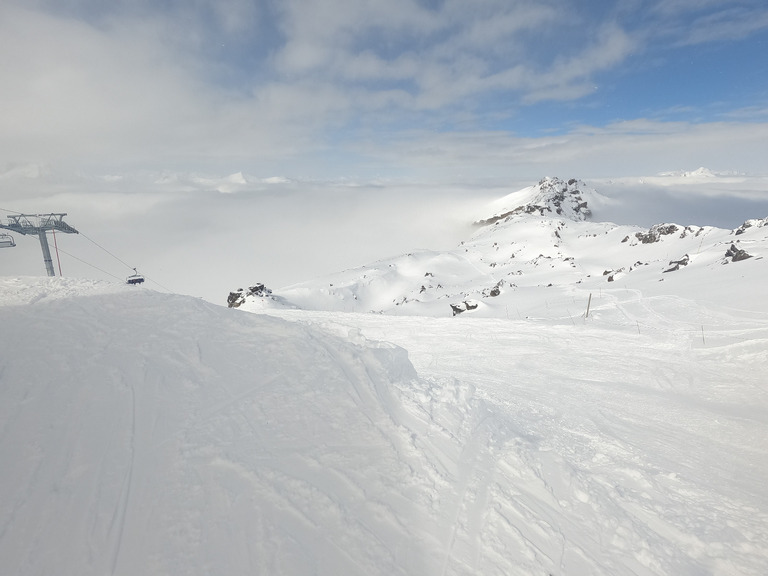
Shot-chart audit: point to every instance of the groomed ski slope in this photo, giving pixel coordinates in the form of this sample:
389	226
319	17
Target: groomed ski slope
143	433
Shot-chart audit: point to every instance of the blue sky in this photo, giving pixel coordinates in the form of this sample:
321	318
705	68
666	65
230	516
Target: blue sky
427	89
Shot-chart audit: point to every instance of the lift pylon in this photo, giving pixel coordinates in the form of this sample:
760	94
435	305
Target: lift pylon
40	224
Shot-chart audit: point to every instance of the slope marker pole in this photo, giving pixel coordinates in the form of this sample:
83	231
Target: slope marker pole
589	302
56	246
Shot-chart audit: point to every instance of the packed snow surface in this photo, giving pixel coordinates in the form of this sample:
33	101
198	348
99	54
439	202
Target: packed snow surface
146	433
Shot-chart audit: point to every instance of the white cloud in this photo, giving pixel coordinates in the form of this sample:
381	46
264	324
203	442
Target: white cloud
690	22
638	147
732	25
570	77
78	93
247	85
72	89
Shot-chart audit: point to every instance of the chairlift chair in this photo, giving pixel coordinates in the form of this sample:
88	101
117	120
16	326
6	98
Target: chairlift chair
7	241
134	278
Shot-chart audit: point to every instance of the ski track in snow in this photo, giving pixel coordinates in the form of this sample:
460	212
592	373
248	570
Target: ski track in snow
619	453
162	435
125	493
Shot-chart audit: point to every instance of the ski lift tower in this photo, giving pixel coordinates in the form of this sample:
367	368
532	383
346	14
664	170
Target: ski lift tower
40	224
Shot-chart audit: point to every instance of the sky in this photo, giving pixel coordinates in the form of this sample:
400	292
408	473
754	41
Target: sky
403	88
158	119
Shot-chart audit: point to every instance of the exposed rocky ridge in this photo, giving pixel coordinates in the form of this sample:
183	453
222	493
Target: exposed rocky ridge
551	196
750	224
542	238
256	293
238	297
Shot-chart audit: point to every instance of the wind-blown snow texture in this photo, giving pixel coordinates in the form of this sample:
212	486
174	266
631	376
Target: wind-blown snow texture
145	433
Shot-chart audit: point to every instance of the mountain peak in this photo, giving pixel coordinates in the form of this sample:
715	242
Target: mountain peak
550	197
700	172
540	237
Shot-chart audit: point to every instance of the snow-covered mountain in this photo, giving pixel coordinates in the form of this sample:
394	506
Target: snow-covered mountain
541	237
700	172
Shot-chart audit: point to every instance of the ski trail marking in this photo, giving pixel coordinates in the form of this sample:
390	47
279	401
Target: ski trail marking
468	461
126	493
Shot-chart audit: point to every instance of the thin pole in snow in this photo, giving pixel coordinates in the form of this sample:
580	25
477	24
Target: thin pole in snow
702	335
56	246
589	302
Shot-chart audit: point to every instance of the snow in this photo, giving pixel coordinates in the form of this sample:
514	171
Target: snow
146	433
149	433
700	172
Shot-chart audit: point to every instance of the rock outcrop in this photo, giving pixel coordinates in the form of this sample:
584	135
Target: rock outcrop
237	298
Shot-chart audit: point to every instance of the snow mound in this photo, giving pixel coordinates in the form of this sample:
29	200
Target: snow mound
152	434
17	291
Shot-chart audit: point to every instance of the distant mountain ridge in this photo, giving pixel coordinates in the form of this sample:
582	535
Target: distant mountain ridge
540	237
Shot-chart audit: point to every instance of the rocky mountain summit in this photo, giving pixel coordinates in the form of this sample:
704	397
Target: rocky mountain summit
550	197
539	238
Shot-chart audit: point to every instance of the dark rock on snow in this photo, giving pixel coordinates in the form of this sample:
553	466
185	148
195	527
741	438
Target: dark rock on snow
235	299
736	254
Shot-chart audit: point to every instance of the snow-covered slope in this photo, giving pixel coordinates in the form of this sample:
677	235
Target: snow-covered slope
143	433
538	238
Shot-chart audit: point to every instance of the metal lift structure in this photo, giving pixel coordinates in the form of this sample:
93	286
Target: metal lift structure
40	224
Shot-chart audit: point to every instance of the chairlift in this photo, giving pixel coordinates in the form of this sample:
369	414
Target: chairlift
134	278
6	241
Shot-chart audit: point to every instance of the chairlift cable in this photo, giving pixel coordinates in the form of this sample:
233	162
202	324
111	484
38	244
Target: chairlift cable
112	275
124	262
84	236
107	251
89	264
158	283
